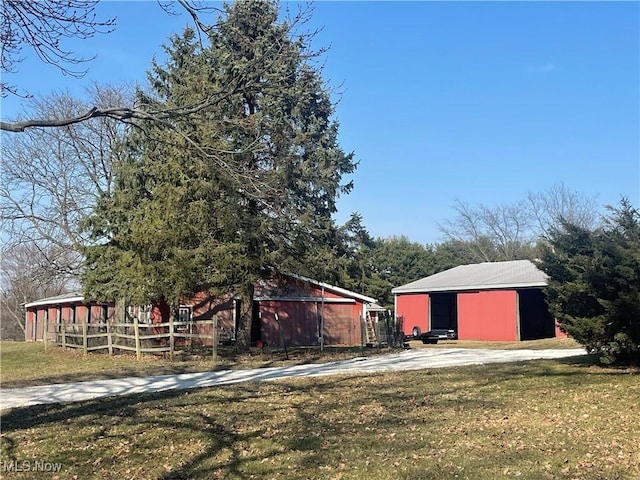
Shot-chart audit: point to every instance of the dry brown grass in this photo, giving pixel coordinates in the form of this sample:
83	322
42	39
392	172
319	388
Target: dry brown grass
561	342
536	420
27	363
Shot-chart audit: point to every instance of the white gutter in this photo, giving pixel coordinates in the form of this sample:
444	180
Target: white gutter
54	301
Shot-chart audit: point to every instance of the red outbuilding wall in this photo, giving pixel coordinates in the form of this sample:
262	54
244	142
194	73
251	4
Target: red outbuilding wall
66	312
300	307
299	303
490	315
299	323
414	310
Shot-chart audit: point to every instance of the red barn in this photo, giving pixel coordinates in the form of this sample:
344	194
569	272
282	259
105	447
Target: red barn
300	311
287	309
69	309
493	301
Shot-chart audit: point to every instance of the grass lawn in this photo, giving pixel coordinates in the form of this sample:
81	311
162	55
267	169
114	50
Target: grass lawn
27	363
536	420
560	342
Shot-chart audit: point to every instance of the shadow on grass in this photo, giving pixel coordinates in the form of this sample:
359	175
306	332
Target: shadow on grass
595	367
303	419
185	362
263	428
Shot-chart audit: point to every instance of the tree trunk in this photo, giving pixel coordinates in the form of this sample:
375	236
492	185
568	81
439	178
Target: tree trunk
243	332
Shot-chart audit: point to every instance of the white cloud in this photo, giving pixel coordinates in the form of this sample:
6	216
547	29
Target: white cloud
541	68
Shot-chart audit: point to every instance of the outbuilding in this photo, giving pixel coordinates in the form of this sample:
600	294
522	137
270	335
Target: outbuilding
289	309
492	301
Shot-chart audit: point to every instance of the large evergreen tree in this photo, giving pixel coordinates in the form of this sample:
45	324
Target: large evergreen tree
594	284
243	187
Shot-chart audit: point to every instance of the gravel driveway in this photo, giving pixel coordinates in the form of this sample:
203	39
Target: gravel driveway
417	359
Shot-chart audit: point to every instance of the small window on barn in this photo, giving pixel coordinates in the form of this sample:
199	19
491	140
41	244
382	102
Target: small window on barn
184	314
144	313
130	314
104	313
72	314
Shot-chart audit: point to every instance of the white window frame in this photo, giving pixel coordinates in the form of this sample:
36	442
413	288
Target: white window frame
144	313
182	309
130	313
141	312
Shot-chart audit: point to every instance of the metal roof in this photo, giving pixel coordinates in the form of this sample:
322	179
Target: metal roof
374	307
479	276
341	291
79	297
64	298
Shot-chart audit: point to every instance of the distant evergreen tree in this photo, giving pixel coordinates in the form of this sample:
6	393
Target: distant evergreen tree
396	261
594	285
250	190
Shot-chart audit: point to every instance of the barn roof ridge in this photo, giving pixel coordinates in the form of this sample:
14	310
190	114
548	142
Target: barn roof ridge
79	296
336	289
479	276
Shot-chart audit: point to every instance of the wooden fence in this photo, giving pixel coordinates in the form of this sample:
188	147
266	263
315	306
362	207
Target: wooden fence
134	337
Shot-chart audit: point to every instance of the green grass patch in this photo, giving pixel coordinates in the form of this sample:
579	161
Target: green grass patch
27	363
535	420
560	342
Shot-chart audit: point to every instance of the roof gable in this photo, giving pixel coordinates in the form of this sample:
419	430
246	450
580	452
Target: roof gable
72	297
479	276
339	290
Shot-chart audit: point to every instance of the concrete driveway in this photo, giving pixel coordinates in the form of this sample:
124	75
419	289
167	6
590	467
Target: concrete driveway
423	358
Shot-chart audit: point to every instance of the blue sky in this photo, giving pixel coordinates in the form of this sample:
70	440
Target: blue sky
481	101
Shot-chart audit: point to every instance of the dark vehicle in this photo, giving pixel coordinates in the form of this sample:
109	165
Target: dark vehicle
432	336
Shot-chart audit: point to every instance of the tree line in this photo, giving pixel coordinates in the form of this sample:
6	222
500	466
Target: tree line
226	166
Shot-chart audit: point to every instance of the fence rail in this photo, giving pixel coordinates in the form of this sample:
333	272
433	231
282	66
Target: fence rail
131	337
169	337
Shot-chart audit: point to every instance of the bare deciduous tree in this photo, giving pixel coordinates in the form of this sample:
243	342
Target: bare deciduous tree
558	203
146	113
24	277
492	233
44	25
511	231
53	177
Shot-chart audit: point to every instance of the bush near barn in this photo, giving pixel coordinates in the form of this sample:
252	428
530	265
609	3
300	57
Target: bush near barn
594	285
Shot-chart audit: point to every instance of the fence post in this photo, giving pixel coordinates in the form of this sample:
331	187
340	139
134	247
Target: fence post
45	329
58	323
215	338
109	341
136	333
172	341
84	337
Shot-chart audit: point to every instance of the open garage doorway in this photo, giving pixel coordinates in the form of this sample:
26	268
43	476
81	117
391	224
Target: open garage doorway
535	319
444	311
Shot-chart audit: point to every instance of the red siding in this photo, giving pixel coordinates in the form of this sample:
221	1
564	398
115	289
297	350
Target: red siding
204	307
560	333
67	313
414	309
28	327
342	323
488	315
298	322
298	316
